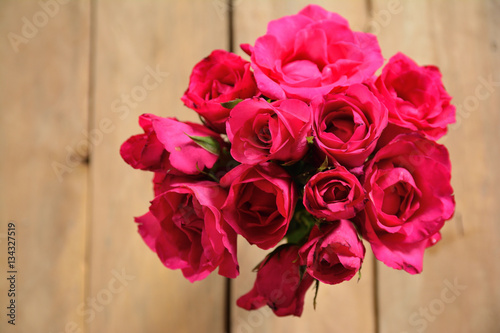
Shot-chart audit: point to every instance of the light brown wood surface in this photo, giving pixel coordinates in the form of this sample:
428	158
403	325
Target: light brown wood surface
44	108
63	117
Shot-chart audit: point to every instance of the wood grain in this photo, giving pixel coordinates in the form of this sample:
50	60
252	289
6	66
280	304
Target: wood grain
132	39
347	307
43	103
75	76
462	40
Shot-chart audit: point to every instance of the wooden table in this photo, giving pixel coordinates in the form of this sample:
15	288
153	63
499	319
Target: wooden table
75	76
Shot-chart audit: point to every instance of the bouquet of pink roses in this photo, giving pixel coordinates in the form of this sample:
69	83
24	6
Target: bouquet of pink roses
304	151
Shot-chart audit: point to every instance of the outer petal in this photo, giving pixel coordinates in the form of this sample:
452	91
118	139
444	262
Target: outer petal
279	284
185	154
149	229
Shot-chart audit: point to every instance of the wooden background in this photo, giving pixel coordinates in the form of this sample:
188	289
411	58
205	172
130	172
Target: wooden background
71	88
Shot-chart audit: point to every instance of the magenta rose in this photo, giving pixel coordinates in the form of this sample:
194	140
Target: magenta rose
279	284
185	227
410	198
168	145
221	77
260	202
145	151
348	123
333	252
307	55
334	194
415	97
260	131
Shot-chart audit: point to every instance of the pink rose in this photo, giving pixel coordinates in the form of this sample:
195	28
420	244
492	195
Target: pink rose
307	55
279	284
348	123
334	194
167	145
410	198
260	202
145	151
260	131
186	230
415	97
185	154
333	253
221	77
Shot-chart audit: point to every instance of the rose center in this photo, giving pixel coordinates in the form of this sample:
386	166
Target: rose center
264	134
399	199
258	204
338	192
187	216
262	129
406	87
342	127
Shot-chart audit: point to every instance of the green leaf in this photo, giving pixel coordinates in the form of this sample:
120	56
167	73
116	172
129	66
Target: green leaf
297	235
302	271
206	142
231	104
324	166
315	294
310	139
208	174
288	163
300	226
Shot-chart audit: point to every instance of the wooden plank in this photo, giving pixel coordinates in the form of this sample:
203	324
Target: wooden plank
347	307
460	37
43	102
133	39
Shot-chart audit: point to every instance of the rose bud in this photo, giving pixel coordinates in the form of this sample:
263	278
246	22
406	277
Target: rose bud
333	252
219	78
279	284
334	194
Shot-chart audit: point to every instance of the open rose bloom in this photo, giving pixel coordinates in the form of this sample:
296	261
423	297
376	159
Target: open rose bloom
303	152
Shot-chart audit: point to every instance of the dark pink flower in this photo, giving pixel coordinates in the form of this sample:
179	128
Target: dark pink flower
334	194
167	145
410	198
348	123
145	151
415	97
260	202
260	131
333	252
221	77
187	231
279	284
307	55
